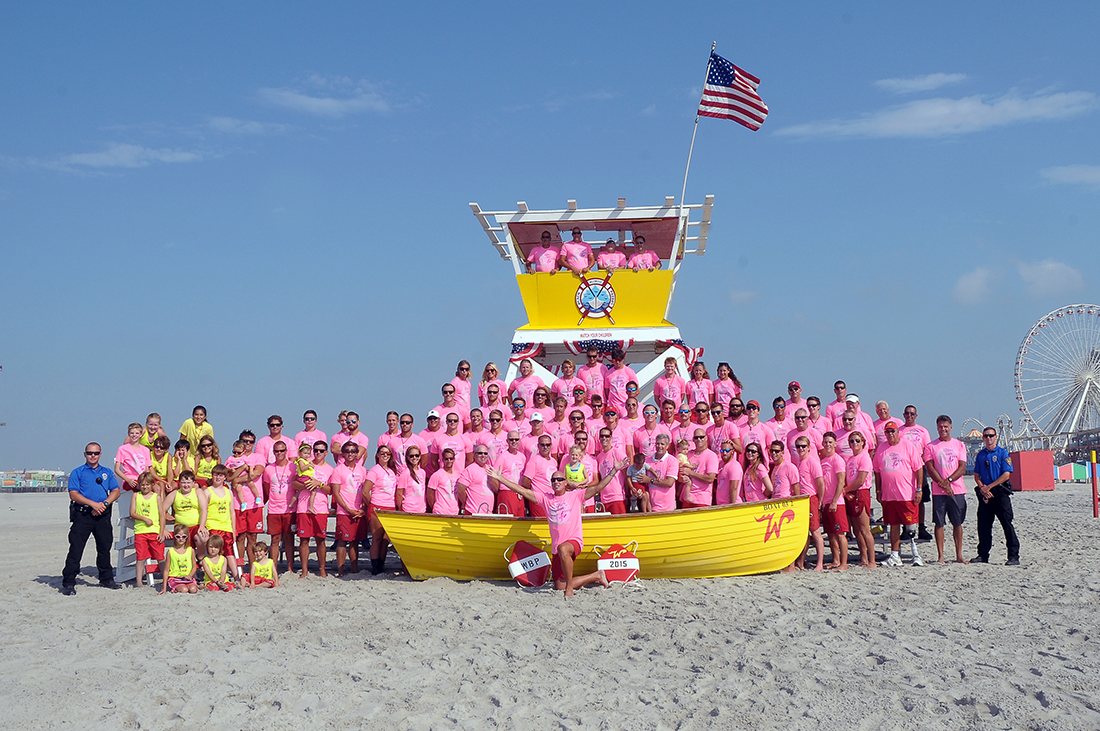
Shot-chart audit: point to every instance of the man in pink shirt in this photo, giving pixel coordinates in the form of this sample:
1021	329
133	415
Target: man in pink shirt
405	438
563	509
754	431
795	402
660	477
642	259
345	484
450	405
645	437
428	434
577	422
818	423
610	258
945	460
918	436
580	402
275	433
530	443
863	420
558	426
837	407
351	434
898	475
536	474
811	481
310	434
577	255
544	257
619	437
312	509
782	423
449	439
737	412
497	438
608	460
802	429
592	373
493	400
668	414
615	380
278	483
697	477
883	410
670	384
721	429
512	463
474	491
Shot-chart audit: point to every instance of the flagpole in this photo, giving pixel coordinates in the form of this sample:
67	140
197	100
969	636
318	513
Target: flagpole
691	149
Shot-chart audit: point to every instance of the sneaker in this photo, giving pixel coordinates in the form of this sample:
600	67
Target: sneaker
892	560
67	590
1012	562
917	560
979	559
112	584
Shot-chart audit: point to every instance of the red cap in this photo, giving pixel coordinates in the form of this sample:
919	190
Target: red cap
753	403
793	384
890	424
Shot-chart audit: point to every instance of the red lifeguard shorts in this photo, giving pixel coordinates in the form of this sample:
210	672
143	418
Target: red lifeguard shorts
615	507
351	529
279	523
312	525
556	570
148	547
899	512
815	513
250	521
834	520
858	505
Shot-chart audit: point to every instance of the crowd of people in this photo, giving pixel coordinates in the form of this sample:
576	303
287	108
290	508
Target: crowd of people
585	434
577	256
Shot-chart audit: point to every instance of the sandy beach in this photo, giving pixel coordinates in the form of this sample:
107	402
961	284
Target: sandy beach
954	646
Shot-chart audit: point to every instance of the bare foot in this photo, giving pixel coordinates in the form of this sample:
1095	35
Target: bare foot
340	574
870	566
304	574
841	568
568	592
819	567
603	579
322	573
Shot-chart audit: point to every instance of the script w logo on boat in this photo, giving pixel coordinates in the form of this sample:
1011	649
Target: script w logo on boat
787	516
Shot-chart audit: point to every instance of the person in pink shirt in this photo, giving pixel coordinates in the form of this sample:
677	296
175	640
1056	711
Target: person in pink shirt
610	258
756	482
754	431
132	458
443	486
451	406
918	436
525	384
474	491
616	379
312	509
580	402
497	438
795	402
857	497
541	403
643	259
737	413
577	423
834	516
275	433
863	420
619	437
670	384
611	461
668	414
380	493
784	475
405	439
811	481
899	470
782	423
490	377
945	460
699	387
802	429
660	477
847	428
530	443
536	474
450	439
544	257
346	486
883	410
250	510
682	430
596	419
429	434
592	373
511	463
351	434
569	380
726	387
476	434
310	434
492	400
818	423
393	428
730	475
698	475
558	426
645	436
576	255
632	420
839	405
278	483
563	509
412	484
463	385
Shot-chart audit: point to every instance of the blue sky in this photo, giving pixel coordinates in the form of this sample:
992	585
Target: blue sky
263	208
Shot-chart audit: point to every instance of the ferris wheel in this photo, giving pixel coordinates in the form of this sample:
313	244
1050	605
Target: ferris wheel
1057	372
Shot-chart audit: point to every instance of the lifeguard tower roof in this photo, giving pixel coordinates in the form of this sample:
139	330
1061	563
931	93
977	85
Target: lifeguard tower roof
622	308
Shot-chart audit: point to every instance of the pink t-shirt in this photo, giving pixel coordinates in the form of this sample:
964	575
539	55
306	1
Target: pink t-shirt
809	470
307	437
718	434
564	387
496	443
832	468
511	465
916	435
781	429
315	502
538	471
483	391
343	438
663	499
645	260
525	387
729	473
463	386
853	466
895	466
725	391
793	407
672	389
615	382
545	258
384	483
280	488
813	435
616	489
529	444
265	445
462	414
348	482
645	441
705	463
480	498
629	426
593	377
446	497
946	458
576	255
820	426
759	433
412	497
753	486
134	459
564	512
399	445
609	259
844	447
455	442
699	391
784	480
833	410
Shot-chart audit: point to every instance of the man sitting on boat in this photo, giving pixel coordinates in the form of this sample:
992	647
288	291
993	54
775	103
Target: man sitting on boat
563	509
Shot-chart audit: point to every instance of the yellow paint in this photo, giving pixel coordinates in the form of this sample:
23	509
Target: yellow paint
698	543
550	299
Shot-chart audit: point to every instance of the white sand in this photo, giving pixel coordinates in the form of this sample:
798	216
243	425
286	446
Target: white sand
935	647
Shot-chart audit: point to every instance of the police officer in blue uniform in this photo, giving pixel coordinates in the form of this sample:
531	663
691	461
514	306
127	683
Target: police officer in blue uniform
92	492
992	471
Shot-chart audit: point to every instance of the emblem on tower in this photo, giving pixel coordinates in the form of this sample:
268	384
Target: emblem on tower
595	298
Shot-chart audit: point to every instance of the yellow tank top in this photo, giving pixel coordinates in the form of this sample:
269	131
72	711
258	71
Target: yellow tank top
147	441
204	468
179	566
160	469
218	511
217	566
185	508
265	569
575	474
305	467
146	507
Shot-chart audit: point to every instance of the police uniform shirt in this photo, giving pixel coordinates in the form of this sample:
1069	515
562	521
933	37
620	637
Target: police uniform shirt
94	484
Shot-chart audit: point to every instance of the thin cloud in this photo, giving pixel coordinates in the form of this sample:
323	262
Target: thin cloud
231	125
123	155
947	117
974	287
742	296
919	83
1087	175
328	97
1049	278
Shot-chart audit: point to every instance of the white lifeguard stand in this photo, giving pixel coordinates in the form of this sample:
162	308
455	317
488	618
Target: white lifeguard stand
568	314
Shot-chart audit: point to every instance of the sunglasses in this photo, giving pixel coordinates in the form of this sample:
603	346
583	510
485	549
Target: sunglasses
92	454
406	423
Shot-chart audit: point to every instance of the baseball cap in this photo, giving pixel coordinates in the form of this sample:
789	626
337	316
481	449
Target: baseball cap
433	414
536	416
793	384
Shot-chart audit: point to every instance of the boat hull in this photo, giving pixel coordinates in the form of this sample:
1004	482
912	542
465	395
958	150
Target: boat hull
728	540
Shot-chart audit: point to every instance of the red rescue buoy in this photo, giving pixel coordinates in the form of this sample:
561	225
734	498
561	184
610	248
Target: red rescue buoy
619	563
529	565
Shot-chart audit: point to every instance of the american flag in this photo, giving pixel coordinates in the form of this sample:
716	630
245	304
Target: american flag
730	93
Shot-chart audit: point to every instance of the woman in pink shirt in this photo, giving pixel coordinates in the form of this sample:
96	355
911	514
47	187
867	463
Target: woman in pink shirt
526	383
489	377
670	385
730	475
462	384
380	488
569	380
757	481
412	484
540	402
642	259
700	387
726	387
857	497
443	486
